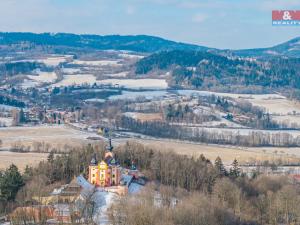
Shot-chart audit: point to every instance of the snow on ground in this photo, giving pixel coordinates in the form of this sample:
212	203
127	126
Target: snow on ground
77	79
54	61
4	121
273	103
137	83
277	106
140	94
222	122
43	77
71	70
103	199
95	100
242	131
236	96
134	188
130	56
97	63
121	74
51	61
28	84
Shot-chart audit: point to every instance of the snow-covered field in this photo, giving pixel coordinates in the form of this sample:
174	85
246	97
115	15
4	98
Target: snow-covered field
43	77
121	74
242	131
71	70
27	83
236	96
137	94
278	106
6	122
54	61
95	100
273	103
137	83
77	79
97	63
130	56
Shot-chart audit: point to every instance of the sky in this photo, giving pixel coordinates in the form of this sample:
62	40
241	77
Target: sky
225	24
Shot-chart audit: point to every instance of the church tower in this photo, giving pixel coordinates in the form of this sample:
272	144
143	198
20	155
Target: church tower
109	152
93	171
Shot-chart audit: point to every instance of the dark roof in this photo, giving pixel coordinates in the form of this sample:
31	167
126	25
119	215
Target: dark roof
94	161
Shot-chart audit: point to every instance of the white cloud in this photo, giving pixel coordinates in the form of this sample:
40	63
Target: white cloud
199	18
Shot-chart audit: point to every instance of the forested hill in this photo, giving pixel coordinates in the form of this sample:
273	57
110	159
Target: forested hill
138	43
288	49
203	69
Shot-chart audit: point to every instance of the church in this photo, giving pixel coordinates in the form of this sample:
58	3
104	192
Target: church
106	173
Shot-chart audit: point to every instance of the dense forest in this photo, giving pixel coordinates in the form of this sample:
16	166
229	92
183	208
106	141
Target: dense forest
5	100
203	69
180	189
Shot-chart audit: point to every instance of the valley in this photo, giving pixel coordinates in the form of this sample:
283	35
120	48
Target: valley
163	114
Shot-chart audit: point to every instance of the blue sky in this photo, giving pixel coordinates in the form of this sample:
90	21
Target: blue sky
221	23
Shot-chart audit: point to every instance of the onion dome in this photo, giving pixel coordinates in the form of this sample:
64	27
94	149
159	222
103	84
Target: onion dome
94	161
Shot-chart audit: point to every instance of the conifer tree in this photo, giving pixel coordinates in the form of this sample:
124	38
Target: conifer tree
235	171
220	167
10	183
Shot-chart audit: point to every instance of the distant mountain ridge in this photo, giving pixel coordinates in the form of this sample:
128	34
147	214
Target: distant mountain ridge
138	43
287	49
141	43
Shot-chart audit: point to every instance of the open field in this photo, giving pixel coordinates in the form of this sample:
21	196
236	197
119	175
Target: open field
21	160
56	136
143	117
59	136
97	63
44	77
277	106
137	83
77	79
227	153
273	103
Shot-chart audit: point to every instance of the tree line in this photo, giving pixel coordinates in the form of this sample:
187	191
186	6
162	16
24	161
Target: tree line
181	189
165	130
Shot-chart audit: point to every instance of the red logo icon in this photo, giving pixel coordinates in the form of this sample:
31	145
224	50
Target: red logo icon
286	15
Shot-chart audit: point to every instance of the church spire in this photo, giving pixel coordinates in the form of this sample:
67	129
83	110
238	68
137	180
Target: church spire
109	147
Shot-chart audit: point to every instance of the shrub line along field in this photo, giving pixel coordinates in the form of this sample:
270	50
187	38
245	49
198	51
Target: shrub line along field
59	136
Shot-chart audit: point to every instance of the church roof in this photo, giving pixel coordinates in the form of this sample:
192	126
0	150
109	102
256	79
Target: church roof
94	161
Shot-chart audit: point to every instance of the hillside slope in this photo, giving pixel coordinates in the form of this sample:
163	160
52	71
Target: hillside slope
288	49
139	43
203	69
